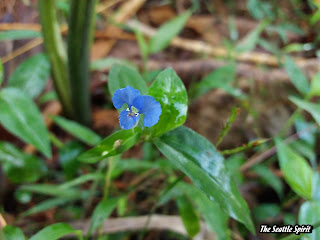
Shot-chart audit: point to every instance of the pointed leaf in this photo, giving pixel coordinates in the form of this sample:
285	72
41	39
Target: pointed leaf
189	217
315	85
168	89
77	130
68	158
297	77
19	166
269	178
168	31
219	78
20	116
121	76
18	34
32	75
101	213
249	42
201	162
116	143
312	108
296	170
107	63
48	204
12	233
310	214
56	231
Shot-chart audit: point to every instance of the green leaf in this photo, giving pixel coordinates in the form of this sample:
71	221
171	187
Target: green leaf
167	32
249	42
312	108
47	97
12	233
121	76
137	166
116	143
48	204
219	78
68	158
260	9
189	217
107	63
19	34
101	213
142	44
1	72
316	187
233	164
297	77
32	75
19	166
20	116
296	170
306	150
216	219
56	231
82	179
50	190
168	89
201	162
310	214
75	129
315	85
269	178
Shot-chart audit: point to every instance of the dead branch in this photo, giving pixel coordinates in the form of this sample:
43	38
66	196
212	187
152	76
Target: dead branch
201	47
127	10
200	67
156	222
260	157
2	222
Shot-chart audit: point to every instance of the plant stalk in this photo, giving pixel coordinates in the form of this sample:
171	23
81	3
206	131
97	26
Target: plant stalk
79	41
55	50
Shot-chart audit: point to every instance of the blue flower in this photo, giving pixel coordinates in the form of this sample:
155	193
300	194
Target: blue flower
137	104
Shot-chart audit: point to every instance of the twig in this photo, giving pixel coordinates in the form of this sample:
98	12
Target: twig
20	26
36	42
157	222
216	51
37	27
200	67
28	46
263	156
128	9
3	222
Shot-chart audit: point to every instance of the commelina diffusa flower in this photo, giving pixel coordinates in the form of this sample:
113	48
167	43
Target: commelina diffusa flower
137	104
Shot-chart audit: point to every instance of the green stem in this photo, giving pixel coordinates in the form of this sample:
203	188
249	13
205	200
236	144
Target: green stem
111	164
79	39
56	52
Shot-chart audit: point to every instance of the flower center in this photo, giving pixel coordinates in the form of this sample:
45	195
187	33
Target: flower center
133	112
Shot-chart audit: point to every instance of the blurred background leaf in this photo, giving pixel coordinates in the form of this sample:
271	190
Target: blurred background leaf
20	116
32	75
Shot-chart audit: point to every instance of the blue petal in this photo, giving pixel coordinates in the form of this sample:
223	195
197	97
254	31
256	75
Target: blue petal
127	122
124	95
150	108
138	103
